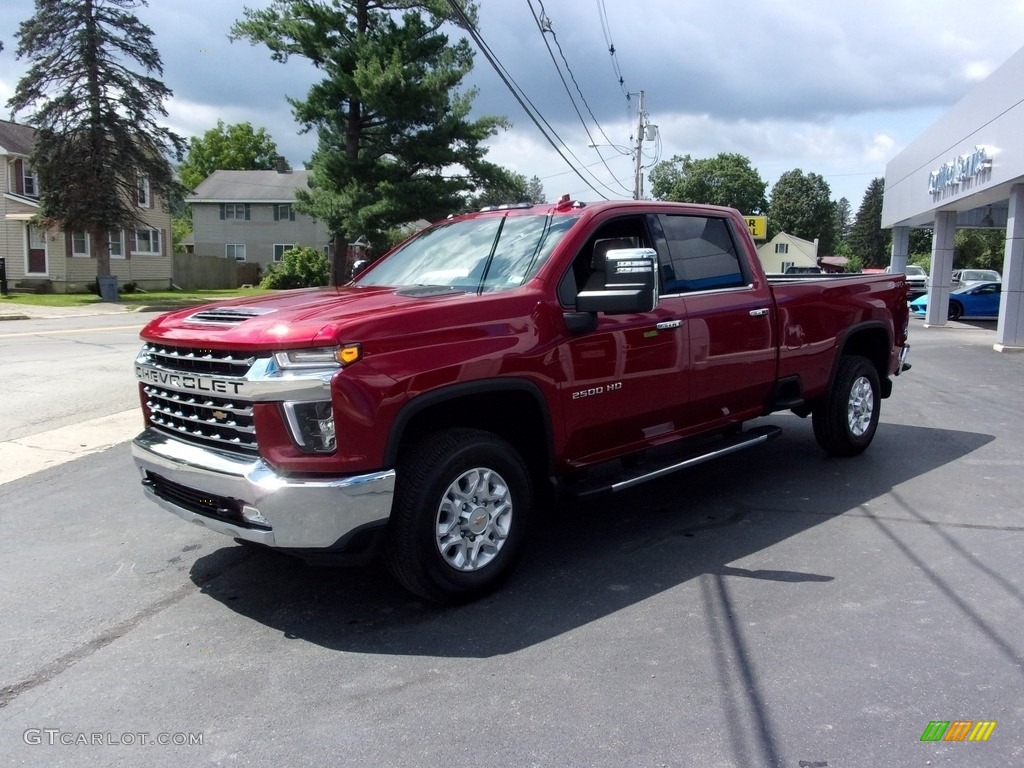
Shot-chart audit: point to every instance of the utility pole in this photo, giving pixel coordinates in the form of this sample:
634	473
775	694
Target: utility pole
638	179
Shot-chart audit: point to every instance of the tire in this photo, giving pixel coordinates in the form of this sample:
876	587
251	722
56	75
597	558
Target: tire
956	310
846	420
462	509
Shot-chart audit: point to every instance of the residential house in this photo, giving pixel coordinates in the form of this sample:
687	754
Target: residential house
250	216
784	251
62	262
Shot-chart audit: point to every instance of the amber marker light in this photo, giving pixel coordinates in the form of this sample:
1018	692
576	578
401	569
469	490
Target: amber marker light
350	353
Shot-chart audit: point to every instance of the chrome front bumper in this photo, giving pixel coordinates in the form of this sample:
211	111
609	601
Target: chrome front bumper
246	499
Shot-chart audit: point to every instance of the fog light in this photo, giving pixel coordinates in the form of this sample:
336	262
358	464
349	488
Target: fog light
312	426
253	516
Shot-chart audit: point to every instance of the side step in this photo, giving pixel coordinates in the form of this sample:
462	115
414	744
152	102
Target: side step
624	479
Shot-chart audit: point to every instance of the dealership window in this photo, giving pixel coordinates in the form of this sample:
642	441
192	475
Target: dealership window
79	244
284	212
782	247
142	186
235	251
280	248
147	241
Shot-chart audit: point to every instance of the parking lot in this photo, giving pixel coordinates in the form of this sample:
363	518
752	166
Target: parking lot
775	608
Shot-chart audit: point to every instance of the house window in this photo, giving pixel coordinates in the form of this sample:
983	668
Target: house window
116	244
30	181
782	247
143	192
280	248
284	212
147	241
237	211
787	264
235	251
79	244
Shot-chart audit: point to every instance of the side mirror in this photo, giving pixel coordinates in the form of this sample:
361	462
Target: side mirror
630	284
358	266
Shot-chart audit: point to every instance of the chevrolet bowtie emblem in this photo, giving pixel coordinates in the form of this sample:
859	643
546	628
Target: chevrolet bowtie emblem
219	415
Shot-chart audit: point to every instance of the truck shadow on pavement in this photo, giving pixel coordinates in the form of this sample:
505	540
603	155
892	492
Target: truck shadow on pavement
587	561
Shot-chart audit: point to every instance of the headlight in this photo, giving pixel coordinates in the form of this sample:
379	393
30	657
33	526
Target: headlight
312	426
318	357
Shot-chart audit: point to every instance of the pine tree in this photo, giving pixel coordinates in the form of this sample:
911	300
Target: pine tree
867	239
97	137
395	142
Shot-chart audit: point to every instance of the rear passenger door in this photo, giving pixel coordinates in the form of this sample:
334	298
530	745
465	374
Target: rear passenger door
728	316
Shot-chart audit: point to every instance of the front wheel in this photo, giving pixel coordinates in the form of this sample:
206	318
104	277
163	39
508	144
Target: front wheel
846	419
459	522
956	310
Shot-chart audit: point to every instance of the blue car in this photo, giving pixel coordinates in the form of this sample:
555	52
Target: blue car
974	300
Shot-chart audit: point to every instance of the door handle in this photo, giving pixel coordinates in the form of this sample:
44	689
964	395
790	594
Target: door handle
759	312
668	324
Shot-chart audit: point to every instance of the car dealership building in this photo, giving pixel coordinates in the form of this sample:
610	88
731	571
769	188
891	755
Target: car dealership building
967	170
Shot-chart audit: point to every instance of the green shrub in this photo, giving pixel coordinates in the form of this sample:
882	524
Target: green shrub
298	268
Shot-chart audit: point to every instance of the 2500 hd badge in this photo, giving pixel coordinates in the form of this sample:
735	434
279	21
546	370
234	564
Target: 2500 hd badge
186	382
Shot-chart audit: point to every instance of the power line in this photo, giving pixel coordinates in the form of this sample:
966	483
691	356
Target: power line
602	13
545	26
520	96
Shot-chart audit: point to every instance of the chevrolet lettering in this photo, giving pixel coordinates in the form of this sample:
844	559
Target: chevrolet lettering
187	383
466	385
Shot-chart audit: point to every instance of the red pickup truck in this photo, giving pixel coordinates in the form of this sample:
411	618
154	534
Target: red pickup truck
434	407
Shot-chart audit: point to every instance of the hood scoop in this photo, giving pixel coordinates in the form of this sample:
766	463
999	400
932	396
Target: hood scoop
227	315
426	291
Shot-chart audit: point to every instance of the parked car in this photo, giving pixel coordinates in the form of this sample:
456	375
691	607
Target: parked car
917	279
974	300
803	270
968	276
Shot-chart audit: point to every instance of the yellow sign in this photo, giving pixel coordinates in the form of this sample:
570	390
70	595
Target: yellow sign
758	226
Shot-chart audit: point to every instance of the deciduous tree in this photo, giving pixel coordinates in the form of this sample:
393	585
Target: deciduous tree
726	179
237	147
801	205
93	83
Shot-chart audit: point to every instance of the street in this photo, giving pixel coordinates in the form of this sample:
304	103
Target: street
773	608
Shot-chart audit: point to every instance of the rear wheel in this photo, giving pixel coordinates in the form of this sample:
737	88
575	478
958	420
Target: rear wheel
461	511
956	310
846	420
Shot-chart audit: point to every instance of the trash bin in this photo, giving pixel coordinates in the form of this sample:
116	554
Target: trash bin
108	287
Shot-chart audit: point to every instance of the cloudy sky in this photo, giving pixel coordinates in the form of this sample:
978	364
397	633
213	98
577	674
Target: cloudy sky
834	88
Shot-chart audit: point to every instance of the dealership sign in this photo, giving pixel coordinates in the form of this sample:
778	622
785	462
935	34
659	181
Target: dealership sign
959	170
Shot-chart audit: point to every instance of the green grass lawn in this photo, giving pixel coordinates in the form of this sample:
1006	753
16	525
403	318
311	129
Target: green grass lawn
151	297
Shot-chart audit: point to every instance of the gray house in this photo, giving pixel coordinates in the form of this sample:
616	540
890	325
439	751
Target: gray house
250	216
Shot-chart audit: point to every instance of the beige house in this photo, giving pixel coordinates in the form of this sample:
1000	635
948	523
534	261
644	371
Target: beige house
62	262
249	216
784	251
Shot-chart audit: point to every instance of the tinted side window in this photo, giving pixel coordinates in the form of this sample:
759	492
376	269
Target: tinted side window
702	255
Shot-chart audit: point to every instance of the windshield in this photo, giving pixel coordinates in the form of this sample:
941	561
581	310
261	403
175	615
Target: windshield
482	254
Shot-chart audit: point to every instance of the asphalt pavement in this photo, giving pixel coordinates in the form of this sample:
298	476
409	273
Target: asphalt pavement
773	608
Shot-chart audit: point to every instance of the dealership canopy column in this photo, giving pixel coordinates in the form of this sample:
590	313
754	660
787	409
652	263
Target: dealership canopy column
967	171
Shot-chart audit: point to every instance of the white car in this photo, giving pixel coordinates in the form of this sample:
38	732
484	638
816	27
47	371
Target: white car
917	278
968	276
